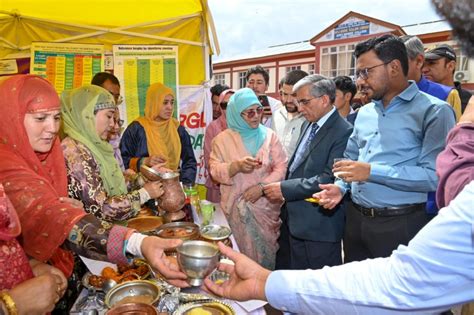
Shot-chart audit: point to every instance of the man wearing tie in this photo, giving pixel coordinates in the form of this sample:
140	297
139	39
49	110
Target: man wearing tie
310	236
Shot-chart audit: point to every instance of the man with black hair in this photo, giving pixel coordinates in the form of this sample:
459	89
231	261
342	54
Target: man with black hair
440	65
345	91
392	153
109	82
287	120
416	59
431	274
258	79
216	90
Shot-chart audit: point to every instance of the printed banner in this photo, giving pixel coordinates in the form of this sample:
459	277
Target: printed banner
195	116
139	66
66	66
8	67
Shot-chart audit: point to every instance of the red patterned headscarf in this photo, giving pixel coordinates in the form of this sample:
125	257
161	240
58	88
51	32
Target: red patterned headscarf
15	266
34	182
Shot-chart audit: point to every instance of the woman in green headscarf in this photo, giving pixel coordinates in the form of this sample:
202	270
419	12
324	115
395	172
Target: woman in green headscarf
94	176
245	157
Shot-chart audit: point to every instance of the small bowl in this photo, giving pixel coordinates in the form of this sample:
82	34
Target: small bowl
180	230
215	232
197	259
133	308
138	291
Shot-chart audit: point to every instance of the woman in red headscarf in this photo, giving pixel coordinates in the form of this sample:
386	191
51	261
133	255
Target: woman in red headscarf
33	173
27	287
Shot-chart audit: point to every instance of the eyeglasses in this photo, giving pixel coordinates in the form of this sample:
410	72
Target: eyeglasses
119	122
223	105
252	112
305	102
364	73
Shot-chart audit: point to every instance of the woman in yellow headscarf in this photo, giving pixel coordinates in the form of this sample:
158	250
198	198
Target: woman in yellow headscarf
158	137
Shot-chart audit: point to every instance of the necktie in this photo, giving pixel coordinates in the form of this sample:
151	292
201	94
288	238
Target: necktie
304	146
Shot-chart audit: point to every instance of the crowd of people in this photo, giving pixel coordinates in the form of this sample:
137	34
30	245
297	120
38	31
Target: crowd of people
333	206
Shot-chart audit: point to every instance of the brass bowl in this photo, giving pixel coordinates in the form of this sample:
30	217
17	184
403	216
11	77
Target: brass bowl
133	308
145	224
138	291
178	230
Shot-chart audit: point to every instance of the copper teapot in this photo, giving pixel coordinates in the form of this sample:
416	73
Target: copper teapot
173	198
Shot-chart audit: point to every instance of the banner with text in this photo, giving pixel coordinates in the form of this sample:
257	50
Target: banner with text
195	116
66	66
139	66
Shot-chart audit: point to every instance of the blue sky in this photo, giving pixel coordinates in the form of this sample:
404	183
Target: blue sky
248	25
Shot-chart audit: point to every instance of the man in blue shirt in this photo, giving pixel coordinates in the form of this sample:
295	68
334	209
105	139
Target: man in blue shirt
416	58
392	153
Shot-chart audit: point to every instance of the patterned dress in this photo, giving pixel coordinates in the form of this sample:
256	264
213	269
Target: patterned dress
85	184
255	225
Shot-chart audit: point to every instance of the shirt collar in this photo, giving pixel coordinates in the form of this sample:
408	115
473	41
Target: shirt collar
323	119
406	95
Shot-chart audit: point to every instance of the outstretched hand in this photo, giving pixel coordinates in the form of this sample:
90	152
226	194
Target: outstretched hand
247	278
153	250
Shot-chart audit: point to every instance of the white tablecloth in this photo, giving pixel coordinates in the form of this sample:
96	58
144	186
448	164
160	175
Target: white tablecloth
253	307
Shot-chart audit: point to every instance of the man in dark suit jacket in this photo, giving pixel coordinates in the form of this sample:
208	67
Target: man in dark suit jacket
310	236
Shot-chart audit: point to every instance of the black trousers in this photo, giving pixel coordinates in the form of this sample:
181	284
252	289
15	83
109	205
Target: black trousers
371	237
295	253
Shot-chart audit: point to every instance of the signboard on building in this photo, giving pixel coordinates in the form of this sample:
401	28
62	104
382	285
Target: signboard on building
352	28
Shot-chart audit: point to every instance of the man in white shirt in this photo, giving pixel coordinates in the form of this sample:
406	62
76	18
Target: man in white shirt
345	91
430	275
287	120
258	80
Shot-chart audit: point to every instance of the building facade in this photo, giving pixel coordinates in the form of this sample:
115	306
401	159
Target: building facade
330	52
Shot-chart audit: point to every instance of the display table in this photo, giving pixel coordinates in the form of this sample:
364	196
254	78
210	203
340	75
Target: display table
249	307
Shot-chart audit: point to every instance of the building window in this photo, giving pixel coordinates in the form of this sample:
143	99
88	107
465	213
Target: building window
288	69
311	68
338	60
219	78
461	60
242	79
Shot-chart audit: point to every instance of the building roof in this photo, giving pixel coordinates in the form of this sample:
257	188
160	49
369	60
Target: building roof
396	28
427	27
411	29
272	51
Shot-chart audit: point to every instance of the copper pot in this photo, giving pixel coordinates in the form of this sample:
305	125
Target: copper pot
173	196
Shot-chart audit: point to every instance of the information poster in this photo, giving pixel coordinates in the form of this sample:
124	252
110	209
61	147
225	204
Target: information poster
66	66
195	116
139	66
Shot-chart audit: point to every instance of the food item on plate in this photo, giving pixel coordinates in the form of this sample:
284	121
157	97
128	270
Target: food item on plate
177	232
125	272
